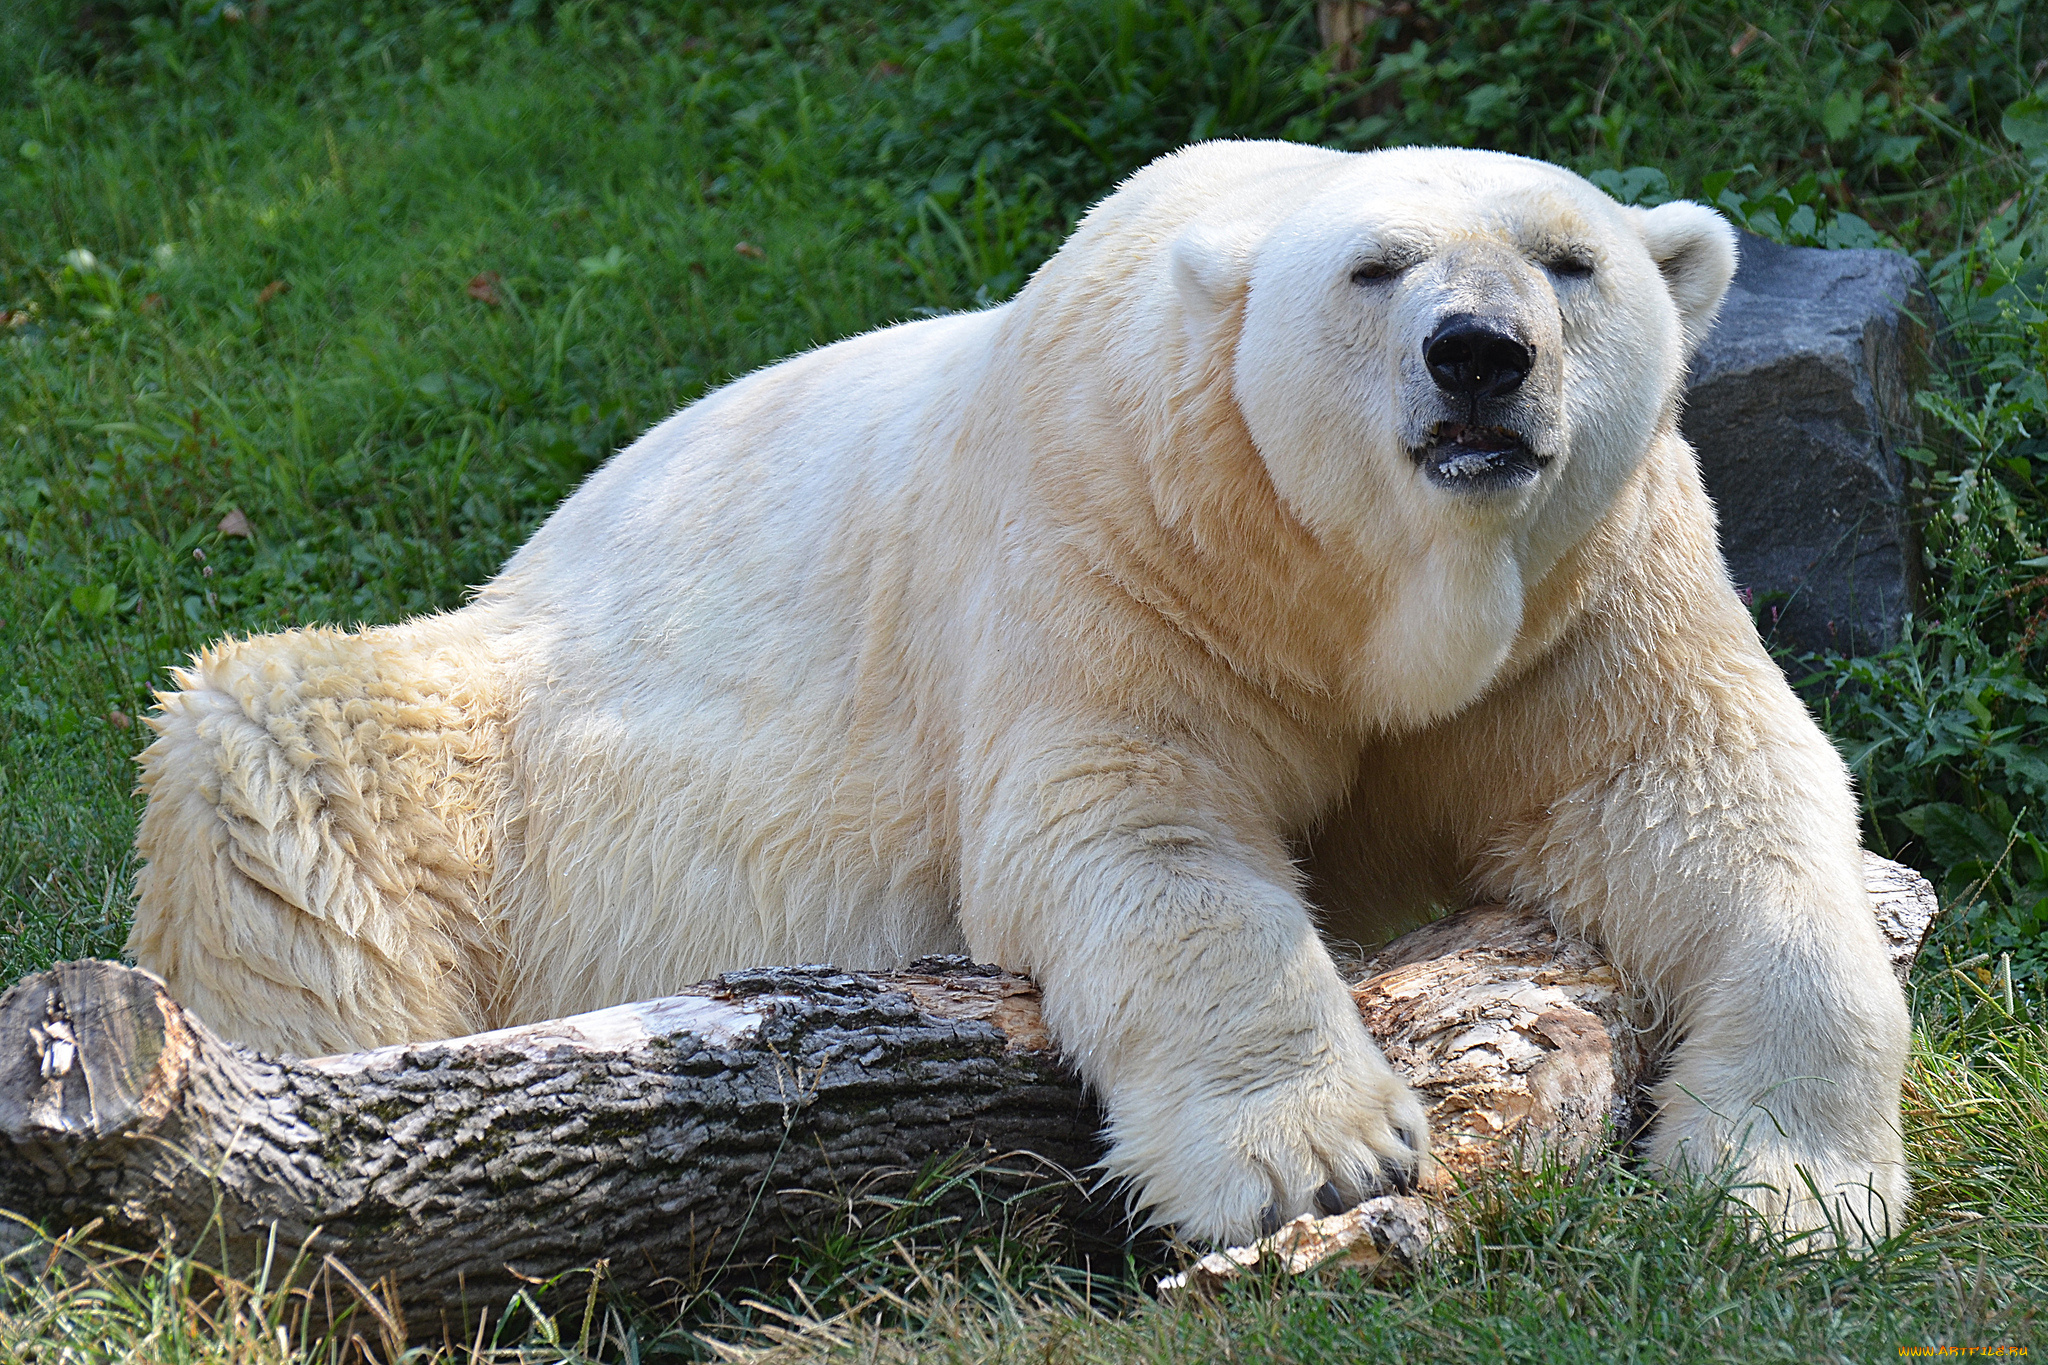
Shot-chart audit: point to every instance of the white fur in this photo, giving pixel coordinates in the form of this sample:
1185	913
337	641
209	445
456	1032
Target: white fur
1056	633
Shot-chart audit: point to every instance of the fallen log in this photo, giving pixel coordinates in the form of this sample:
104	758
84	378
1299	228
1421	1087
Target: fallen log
692	1139
686	1139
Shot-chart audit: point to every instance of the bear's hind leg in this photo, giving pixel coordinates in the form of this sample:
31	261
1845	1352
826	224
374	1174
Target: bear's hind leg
317	840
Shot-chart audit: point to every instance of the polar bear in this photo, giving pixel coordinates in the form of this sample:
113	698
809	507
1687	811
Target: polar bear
1308	543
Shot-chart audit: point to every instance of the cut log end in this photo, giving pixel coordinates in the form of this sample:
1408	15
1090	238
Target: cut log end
95	1051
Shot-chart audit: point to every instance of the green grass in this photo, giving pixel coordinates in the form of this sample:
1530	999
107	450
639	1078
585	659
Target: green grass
388	279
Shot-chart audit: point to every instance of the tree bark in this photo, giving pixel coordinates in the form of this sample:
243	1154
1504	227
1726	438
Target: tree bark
1521	1042
1342	25
686	1139
692	1139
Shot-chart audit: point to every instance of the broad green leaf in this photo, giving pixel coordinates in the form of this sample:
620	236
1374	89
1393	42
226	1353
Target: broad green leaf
1636	185
92	601
1841	114
2026	123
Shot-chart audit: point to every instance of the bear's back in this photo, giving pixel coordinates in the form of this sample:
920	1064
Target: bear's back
711	656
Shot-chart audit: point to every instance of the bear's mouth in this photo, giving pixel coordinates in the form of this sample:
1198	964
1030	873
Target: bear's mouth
1462	458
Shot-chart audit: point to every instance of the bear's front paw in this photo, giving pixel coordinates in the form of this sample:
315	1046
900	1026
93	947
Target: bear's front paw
1846	1188
1228	1158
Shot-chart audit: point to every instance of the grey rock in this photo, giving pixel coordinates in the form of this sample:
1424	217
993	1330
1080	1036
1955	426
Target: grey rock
1798	404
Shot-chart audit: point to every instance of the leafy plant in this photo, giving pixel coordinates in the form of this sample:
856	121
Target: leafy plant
1948	730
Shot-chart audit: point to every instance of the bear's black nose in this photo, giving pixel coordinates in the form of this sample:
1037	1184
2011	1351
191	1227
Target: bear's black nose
1475	358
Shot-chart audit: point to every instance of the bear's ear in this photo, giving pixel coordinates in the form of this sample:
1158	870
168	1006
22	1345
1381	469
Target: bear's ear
1211	268
1694	247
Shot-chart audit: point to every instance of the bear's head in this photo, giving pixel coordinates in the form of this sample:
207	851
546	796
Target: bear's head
1339	416
1447	363
1432	340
